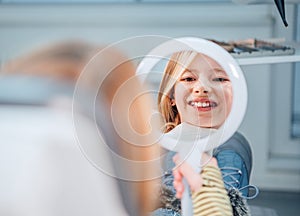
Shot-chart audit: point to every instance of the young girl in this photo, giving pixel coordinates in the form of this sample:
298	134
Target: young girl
195	89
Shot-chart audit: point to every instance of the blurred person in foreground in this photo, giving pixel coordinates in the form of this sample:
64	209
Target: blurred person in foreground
58	155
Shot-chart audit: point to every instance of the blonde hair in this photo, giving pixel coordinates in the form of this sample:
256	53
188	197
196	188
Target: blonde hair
176	65
62	60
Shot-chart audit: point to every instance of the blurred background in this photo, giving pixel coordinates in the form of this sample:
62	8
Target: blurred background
272	121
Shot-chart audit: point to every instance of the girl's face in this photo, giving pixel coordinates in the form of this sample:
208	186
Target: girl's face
203	93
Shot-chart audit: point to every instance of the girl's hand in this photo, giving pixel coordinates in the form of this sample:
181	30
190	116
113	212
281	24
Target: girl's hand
194	179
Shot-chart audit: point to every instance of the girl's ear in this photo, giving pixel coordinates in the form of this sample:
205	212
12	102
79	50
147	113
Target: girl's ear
173	102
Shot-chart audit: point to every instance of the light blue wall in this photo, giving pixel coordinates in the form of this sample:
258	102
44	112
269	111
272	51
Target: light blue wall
23	27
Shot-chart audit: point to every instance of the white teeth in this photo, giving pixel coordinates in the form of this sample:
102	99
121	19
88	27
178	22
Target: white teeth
199	104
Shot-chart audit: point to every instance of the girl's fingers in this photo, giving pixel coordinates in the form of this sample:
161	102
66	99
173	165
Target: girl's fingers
179	189
194	179
177	175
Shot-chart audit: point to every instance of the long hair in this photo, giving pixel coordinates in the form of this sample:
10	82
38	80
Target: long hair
175	67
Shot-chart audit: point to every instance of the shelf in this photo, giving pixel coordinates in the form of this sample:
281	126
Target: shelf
271	59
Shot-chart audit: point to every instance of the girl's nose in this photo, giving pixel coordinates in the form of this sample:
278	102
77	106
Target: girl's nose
201	88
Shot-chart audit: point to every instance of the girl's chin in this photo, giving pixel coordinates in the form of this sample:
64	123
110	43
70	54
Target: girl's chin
203	125
207	123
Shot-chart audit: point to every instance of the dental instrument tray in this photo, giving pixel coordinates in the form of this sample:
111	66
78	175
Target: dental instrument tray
254	48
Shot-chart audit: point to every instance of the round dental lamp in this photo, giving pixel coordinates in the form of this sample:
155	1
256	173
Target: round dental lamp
188	140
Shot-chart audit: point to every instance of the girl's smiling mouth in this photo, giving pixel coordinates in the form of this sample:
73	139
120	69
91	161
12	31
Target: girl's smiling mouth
203	104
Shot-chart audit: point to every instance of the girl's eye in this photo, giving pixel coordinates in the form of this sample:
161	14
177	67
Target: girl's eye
188	79
221	79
